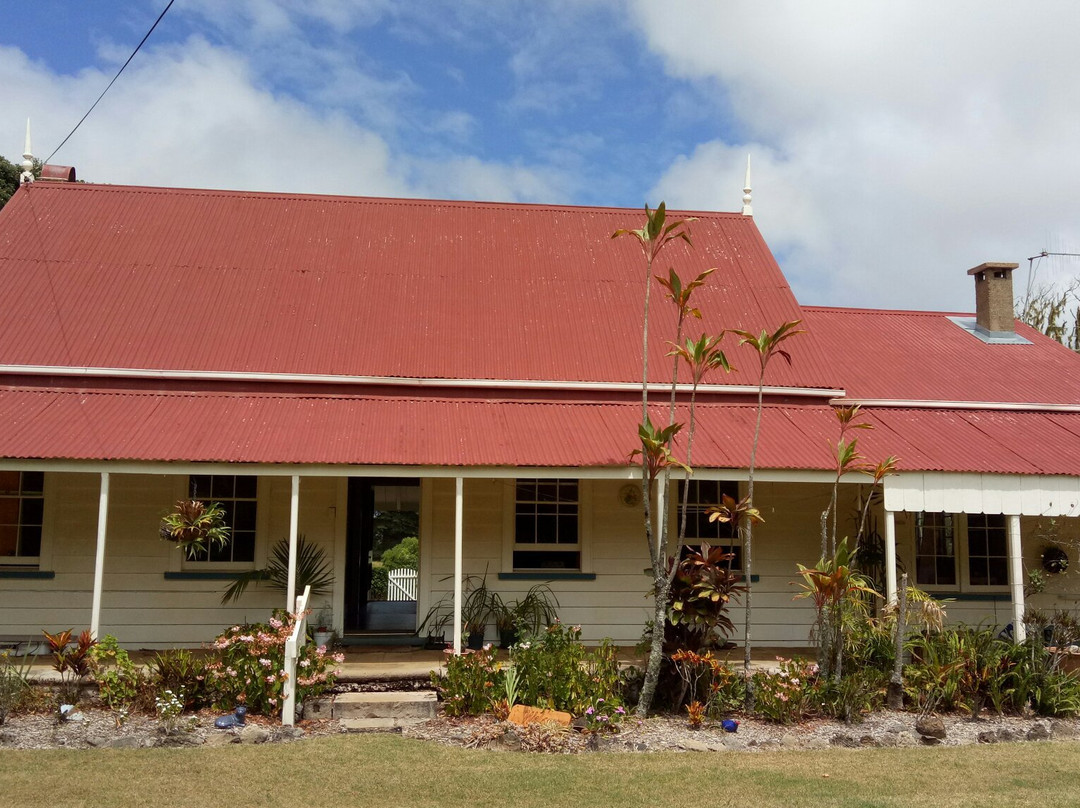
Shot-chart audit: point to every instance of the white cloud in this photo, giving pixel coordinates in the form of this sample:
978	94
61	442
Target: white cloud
897	144
193	114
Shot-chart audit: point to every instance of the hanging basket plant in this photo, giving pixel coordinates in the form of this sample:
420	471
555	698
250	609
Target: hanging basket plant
195	527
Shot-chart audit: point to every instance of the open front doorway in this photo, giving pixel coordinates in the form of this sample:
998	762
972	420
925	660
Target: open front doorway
382	554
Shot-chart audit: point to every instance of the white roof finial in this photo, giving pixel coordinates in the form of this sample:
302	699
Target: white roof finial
27	174
747	208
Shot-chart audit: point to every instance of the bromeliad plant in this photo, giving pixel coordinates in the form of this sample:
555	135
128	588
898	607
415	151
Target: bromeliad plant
195	527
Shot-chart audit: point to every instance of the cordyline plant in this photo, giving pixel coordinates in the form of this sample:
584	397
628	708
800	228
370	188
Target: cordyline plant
195	527
767	345
656	441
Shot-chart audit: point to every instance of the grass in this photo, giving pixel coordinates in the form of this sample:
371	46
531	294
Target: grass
389	770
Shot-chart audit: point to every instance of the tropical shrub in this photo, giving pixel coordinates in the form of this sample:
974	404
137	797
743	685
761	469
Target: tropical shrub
186	675
72	661
14	687
403	555
250	668
556	671
604	716
858	692
471	682
118	679
698	597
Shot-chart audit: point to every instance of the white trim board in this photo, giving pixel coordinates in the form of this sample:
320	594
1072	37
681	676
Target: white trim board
1010	494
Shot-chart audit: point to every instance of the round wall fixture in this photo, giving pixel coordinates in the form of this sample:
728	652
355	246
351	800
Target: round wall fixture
1055	560
630	495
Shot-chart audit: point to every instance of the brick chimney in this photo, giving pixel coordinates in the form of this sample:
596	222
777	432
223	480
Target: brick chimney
994	297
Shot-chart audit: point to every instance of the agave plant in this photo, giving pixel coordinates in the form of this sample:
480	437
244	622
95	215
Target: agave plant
312	569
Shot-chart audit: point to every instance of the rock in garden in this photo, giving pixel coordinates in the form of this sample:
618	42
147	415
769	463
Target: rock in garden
222	739
869	740
123	742
1040	731
1059	731
510	741
990	736
845	741
894	727
253	733
693	746
930	726
790	741
523	716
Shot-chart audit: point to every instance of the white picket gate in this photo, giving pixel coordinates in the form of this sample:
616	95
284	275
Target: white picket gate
402	585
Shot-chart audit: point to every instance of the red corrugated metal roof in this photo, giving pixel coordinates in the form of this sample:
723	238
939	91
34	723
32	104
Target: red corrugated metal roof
374	430
110	276
923	355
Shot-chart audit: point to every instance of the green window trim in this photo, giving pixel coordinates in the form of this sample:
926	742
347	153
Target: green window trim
39	575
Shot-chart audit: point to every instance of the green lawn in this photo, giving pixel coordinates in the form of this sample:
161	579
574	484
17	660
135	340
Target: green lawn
381	770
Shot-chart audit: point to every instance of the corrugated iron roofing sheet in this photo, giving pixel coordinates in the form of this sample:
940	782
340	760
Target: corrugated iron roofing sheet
922	355
112	276
375	430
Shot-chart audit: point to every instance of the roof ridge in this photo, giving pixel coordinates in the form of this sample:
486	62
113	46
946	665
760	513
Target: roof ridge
380	200
898	312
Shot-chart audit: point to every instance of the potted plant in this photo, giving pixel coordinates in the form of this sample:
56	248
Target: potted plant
525	616
477	607
435	623
323	634
195	527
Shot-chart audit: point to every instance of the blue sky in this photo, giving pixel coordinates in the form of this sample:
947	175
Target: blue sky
894	145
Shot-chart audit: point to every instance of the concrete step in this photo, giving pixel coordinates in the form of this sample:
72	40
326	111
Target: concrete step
401	706
374	724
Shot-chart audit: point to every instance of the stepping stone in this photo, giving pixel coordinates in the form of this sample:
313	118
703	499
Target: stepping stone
373	724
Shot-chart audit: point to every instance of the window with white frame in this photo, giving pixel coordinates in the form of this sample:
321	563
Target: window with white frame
547	525
703	495
22	510
961	552
237	496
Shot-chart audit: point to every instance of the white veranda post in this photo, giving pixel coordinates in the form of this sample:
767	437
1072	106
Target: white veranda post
890	557
99	557
459	498
1016	578
294	521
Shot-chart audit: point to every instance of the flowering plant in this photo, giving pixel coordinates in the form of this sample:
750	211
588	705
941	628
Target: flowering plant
604	716
250	668
784	695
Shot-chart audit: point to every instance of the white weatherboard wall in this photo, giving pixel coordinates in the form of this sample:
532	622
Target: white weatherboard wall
617	603
139	606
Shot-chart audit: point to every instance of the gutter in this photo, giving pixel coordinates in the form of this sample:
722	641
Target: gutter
403	381
924	404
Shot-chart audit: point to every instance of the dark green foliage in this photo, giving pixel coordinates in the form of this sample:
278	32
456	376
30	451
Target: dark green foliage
403	555
186	673
471	682
557	672
312	569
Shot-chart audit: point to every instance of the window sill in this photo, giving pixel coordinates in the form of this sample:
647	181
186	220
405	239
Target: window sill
204	575
39	575
553	575
1003	597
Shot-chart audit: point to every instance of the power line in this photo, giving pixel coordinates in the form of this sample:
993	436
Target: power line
121	70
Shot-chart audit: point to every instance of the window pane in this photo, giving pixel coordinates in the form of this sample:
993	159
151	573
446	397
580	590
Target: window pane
568	529
9	482
222	486
247	487
9	510
33	511
199	486
525	529
9	540
997	572
946	571
977	572
547	559
30	540
33	482
243	515
243	546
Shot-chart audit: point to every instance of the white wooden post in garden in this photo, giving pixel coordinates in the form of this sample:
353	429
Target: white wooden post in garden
292	651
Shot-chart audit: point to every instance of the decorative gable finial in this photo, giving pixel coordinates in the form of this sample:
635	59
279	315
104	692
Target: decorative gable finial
747	208
27	174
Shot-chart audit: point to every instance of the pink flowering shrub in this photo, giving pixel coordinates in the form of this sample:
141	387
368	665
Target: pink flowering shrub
786	694
471	682
604	716
250	666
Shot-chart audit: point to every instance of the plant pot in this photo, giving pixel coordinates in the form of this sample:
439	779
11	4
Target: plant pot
435	642
323	637
475	641
508	637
